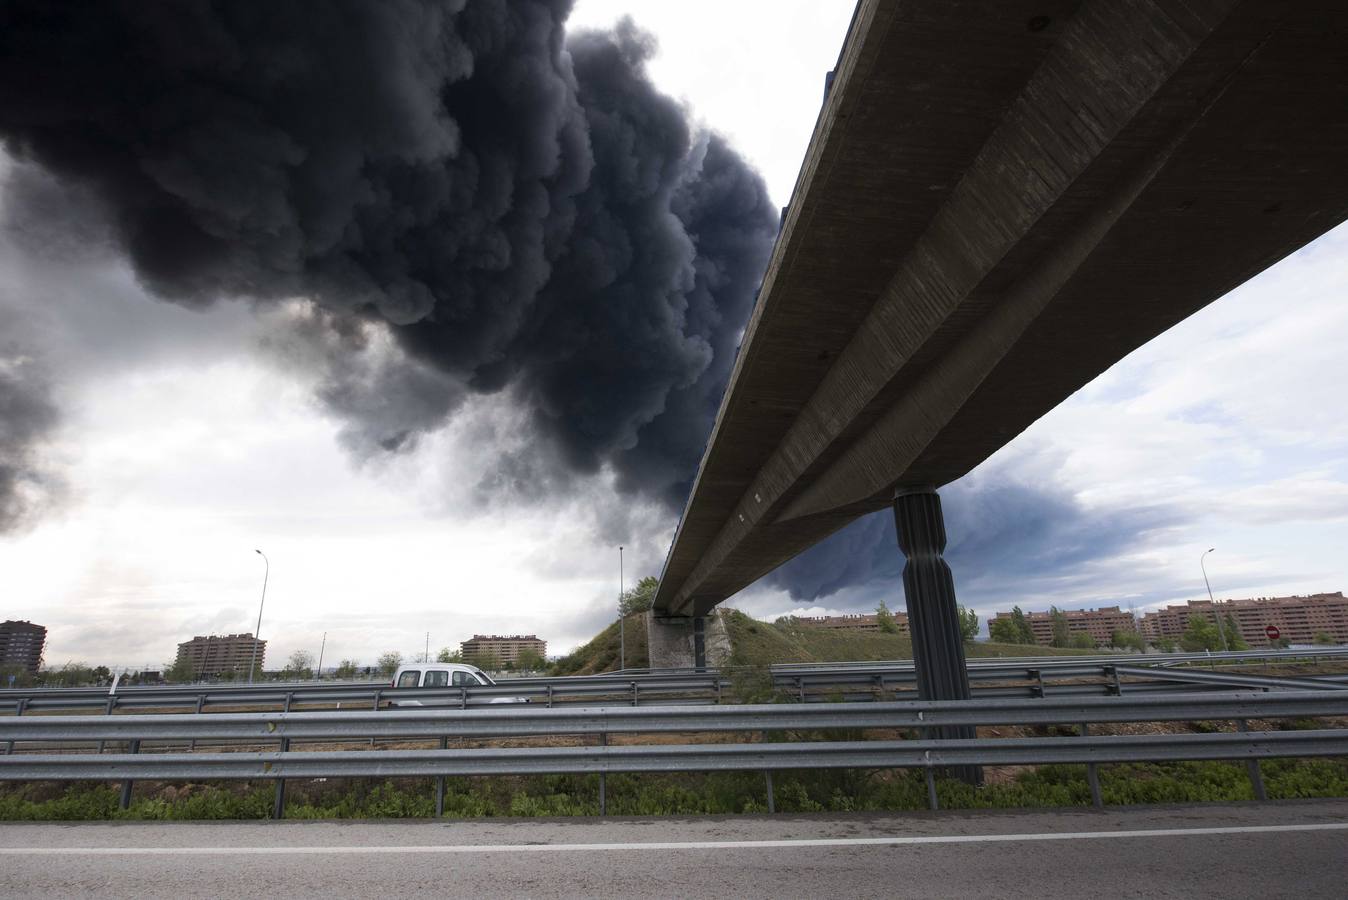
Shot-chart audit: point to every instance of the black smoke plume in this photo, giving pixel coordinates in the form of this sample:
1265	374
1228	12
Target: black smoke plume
28	416
515	210
1006	539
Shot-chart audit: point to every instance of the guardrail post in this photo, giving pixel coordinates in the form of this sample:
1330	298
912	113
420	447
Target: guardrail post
125	801
718	689
440	785
1093	776
772	798
112	702
278	806
800	685
932	802
201	701
549	696
18	711
1252	768
286	707
1037	689
603	780
463	697
1118	683
634	693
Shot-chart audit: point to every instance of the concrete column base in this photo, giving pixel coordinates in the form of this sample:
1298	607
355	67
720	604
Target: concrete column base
684	642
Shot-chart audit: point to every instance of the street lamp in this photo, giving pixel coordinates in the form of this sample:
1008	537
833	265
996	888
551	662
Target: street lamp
257	633
1221	630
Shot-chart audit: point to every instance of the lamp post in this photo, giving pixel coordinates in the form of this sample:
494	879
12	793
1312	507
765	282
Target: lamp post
257	633
1221	629
622	620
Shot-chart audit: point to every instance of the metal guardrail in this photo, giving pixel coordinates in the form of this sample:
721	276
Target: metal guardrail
30	756
1027	677
853	682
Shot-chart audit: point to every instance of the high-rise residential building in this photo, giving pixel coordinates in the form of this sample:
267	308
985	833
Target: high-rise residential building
21	644
498	649
853	622
1100	624
1298	619
215	654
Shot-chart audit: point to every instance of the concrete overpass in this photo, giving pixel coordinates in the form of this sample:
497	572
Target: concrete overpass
1001	199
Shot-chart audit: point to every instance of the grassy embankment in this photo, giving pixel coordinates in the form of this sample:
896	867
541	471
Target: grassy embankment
756	643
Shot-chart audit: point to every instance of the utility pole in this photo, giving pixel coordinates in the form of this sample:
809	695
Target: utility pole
321	648
426	657
257	635
622	620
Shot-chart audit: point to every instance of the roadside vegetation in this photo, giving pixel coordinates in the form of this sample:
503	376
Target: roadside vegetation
651	795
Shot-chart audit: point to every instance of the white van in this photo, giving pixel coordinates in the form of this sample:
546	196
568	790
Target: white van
443	675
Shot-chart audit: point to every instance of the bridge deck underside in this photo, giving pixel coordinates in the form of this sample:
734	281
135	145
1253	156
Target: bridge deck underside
1001	200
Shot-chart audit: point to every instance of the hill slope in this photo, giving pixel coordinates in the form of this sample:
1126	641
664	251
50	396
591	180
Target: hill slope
756	643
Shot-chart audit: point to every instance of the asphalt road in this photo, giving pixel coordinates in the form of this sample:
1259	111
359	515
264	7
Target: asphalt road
1291	849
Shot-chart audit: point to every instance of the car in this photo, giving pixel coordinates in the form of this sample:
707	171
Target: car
444	675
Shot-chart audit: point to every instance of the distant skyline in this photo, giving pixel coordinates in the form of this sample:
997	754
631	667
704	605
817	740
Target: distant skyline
189	438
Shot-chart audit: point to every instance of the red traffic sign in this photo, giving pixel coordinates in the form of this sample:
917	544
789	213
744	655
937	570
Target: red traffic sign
1272	632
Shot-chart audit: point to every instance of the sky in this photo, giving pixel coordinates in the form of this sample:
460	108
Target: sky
176	441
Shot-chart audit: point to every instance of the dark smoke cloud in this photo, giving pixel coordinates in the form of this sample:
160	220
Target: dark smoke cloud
513	211
28	416
1006	538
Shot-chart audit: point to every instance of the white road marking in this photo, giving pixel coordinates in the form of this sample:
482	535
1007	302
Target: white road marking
673	845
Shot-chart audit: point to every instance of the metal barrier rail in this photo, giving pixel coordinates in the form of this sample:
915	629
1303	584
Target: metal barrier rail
532	721
679	757
523	721
853	679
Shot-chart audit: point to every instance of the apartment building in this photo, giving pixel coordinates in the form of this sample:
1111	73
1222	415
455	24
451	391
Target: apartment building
853	622
210	655
21	644
1100	624
1299	619
501	648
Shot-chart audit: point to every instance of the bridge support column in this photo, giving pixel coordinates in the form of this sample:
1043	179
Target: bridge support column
933	618
685	642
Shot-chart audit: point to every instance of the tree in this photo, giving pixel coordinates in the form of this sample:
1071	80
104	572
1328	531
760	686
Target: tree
389	662
15	675
638	599
1164	644
346	669
1323	637
485	660
885	619
179	670
1233	639
1200	635
1127	639
1082	641
1012	629
530	661
1062	635
968	623
1003	630
300	666
447	655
